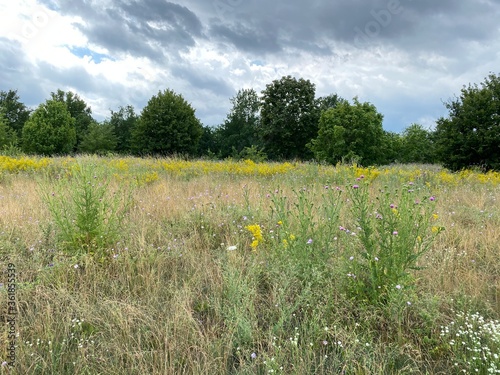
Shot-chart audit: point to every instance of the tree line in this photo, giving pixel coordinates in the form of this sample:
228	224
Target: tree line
285	122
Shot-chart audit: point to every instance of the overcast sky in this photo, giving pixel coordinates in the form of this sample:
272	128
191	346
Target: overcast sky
406	57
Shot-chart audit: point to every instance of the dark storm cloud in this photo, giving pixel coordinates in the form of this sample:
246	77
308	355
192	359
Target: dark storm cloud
151	28
404	23
155	28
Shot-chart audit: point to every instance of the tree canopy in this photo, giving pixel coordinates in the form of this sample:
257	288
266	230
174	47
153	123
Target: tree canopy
470	136
78	109
50	130
15	112
289	118
240	127
351	132
167	126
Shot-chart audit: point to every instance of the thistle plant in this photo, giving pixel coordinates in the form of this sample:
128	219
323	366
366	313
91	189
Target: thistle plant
393	231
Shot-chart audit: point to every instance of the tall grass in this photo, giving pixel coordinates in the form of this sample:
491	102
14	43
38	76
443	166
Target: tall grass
249	268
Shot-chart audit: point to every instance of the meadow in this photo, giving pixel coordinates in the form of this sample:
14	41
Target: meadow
168	266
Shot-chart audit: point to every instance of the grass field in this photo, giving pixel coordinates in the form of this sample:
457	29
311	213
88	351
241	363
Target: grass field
167	266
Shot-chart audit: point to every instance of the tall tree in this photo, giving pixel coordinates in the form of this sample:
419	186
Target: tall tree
78	109
416	145
15	112
350	132
167	125
8	136
50	130
123	121
470	136
240	127
289	118
99	139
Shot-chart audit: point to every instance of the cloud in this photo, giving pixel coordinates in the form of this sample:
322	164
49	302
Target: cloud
404	56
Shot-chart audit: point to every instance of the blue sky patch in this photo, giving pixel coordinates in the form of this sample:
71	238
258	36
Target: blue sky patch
84	51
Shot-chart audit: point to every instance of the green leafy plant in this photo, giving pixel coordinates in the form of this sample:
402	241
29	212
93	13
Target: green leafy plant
87	211
393	230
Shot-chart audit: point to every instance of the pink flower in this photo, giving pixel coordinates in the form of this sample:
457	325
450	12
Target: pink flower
355	186
432	199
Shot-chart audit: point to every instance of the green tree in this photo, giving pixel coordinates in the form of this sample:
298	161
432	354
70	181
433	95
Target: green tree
390	148
78	109
123	121
240	127
208	145
289	118
329	101
167	125
470	136
15	112
50	130
351	132
100	139
416	145
8	136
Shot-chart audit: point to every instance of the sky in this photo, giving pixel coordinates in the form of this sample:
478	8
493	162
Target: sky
407	57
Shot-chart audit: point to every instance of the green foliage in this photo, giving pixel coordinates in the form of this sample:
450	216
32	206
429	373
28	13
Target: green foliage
393	232
100	139
78	109
8	136
471	134
289	118
416	145
167	126
208	145
123	122
240	127
390	149
349	132
253	153
50	130
16	113
86	210
329	101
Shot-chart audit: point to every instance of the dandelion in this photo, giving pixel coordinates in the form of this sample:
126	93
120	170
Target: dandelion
435	216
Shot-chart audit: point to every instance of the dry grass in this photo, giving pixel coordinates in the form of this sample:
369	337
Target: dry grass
172	299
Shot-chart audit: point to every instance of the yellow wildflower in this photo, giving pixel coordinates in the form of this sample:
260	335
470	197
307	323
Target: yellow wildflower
256	233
